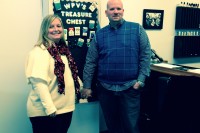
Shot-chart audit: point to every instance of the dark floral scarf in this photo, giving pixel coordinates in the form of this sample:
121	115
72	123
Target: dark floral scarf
55	52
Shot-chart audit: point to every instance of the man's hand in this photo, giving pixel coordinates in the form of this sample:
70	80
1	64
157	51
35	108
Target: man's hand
138	85
85	93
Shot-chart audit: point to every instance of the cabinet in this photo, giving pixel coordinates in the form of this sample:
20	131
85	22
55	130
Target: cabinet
85	118
187	18
187	28
186	46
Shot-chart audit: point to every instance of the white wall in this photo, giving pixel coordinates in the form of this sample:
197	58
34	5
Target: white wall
19	24
20	21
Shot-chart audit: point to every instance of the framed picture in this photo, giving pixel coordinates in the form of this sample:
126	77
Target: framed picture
153	19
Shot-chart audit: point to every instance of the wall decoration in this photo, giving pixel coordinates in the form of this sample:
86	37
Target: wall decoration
79	18
153	19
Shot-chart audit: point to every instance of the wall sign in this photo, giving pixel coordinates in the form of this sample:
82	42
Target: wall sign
80	19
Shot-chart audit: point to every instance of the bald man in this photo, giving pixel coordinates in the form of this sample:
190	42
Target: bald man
120	52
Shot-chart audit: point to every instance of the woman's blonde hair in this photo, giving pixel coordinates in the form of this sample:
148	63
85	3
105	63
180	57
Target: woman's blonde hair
43	35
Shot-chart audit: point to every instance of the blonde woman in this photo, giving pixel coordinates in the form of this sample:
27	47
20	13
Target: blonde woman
52	74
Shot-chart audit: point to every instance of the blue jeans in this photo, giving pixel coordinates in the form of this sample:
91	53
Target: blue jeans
121	109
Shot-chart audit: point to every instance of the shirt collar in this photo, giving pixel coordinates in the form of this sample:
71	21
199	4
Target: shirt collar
117	25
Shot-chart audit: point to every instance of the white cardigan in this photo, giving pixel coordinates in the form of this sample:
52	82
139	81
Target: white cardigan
44	98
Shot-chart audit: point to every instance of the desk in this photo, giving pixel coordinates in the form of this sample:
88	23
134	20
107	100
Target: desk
171	99
173	72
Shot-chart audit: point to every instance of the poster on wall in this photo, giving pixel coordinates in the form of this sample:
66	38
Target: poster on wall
153	19
81	21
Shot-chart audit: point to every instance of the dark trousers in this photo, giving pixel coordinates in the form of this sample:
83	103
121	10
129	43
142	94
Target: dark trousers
121	109
46	124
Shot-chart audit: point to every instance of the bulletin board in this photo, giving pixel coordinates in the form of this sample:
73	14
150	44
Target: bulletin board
81	21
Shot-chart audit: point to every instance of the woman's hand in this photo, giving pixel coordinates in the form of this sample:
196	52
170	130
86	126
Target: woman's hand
85	93
53	115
